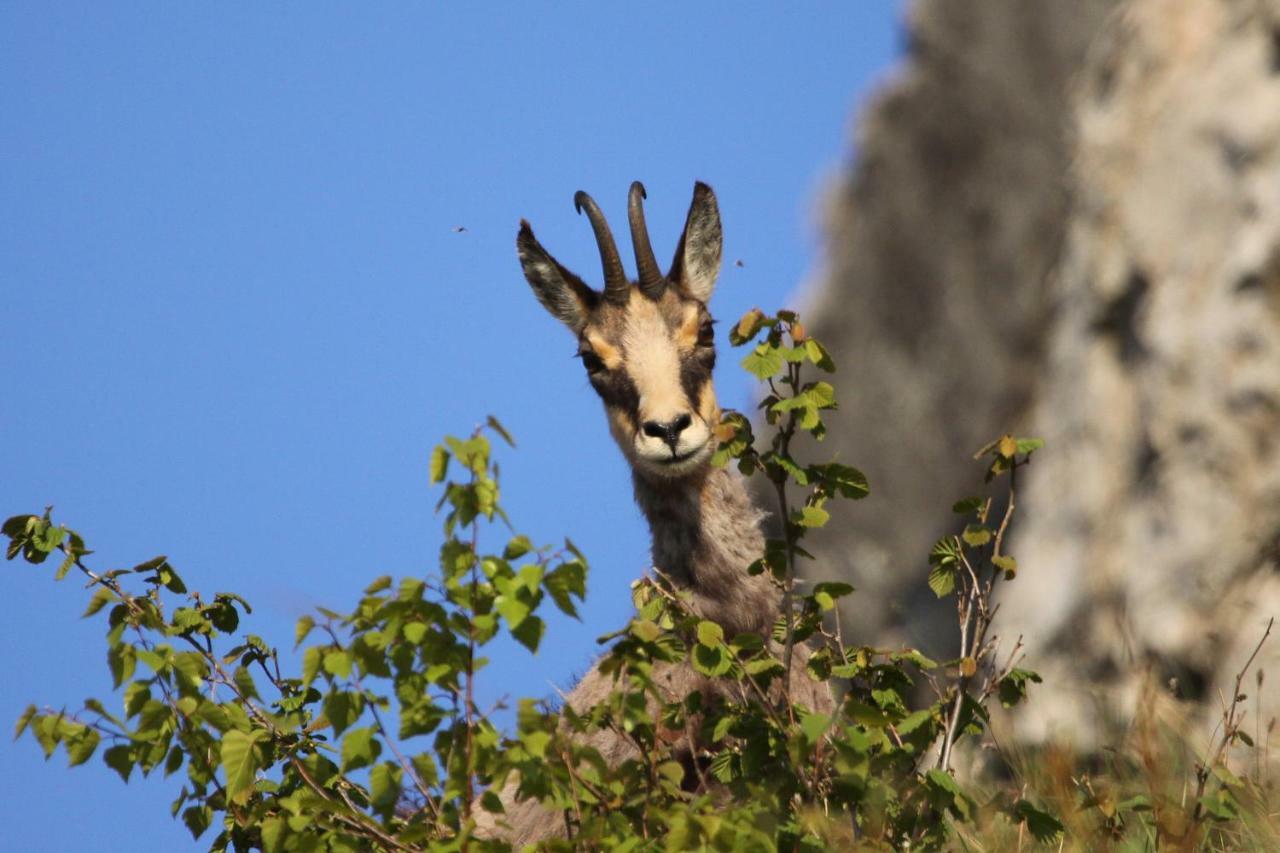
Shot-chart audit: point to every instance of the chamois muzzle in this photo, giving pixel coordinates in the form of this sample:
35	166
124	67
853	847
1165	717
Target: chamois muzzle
668	432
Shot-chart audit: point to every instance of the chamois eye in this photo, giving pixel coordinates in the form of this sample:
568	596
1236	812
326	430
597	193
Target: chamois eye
592	362
706	334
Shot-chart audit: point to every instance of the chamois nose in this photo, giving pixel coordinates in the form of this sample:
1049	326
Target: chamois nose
668	432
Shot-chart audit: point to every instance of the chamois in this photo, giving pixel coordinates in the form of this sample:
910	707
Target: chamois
648	349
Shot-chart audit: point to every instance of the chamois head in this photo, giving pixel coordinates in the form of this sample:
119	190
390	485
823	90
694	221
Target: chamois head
647	346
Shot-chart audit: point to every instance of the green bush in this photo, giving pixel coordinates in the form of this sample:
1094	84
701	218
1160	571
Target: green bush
377	743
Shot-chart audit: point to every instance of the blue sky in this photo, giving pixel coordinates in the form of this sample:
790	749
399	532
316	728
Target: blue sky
238	316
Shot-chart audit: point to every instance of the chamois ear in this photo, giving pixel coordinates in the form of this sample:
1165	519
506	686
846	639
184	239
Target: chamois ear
697	260
561	292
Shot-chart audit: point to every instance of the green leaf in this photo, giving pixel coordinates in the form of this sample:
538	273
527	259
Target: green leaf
811	516
1013	687
711	661
566	582
967	505
174	762
942	580
1006	564
100	599
912	656
1136	803
193	671
65	566
415	632
786	463
44	539
814	726
514	608
81	747
722	728
914	721
136	695
378	585
384	788
311	664
645	629
529	632
497	427
337	663
672	771
976	535
795	355
945	551
709	633
1220	805
763	361
18	525
473	453
302	630
197	819
1227	778
169	578
517	547
818	355
945	793
120	759
535	742
833	589
274	830
25	719
439	466
122	659
822	394
762	665
342	709
241	758
360	749
1043	826
845	481
867	715
222	614
1029	445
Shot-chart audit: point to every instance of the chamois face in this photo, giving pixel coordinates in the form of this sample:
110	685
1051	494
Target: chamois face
650	361
647	347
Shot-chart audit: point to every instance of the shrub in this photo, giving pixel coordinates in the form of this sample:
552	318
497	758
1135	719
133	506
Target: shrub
377	743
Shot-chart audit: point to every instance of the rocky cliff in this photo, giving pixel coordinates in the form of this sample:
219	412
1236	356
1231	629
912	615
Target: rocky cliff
1153	523
940	241
1064	219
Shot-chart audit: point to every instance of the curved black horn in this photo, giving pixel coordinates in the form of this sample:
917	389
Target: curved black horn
652	282
615	279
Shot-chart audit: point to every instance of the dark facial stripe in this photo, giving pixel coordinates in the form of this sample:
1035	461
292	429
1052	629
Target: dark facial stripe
695	372
618	392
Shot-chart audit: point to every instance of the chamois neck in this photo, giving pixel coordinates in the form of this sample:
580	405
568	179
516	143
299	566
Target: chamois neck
706	532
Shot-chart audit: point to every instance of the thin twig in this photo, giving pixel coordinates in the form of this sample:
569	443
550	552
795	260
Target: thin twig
1230	726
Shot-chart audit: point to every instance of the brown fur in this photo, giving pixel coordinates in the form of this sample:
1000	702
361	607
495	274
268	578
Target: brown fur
706	531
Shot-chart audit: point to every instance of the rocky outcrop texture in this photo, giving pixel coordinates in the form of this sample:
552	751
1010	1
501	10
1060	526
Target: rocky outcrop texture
940	242
1065	220
1153	521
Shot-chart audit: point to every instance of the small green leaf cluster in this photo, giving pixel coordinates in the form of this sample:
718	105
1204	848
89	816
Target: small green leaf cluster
333	758
882	741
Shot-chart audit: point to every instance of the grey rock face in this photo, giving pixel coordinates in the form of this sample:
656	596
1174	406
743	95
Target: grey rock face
1153	518
1065	221
940	243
